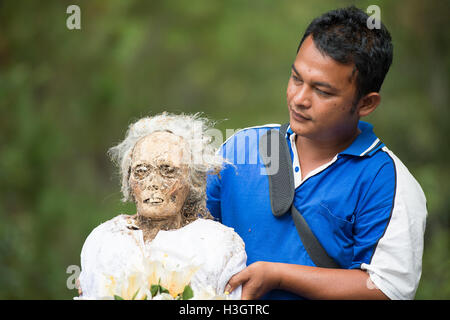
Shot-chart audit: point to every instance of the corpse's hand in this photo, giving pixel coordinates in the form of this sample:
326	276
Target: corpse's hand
77	285
257	279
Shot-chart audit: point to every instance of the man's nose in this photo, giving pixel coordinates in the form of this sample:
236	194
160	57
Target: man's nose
302	97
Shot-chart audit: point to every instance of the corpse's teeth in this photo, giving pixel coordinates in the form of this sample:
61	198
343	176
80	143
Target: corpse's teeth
153	200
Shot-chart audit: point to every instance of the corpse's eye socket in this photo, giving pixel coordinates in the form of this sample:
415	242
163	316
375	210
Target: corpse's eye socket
167	170
140	172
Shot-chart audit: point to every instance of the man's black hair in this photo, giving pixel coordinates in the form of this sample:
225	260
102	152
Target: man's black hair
343	35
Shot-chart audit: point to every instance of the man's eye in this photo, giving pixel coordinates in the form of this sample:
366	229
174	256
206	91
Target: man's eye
323	93
296	79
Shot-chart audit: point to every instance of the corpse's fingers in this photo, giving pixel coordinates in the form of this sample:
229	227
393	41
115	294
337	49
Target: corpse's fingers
236	280
77	285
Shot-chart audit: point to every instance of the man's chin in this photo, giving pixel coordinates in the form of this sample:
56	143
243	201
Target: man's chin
300	129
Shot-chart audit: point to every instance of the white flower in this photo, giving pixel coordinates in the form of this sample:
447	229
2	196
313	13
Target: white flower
208	293
137	284
130	286
176	280
163	296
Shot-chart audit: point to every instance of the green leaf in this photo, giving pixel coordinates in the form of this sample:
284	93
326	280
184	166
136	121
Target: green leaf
163	290
135	294
154	289
118	298
187	293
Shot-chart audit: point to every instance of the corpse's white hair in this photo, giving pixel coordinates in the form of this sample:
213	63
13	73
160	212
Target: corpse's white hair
203	159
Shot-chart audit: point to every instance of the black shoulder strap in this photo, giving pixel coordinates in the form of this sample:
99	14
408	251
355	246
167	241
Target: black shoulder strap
275	154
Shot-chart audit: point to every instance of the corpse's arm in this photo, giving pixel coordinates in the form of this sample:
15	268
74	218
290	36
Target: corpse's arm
104	252
222	252
87	259
236	263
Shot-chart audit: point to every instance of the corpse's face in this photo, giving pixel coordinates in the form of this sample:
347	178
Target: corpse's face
321	95
159	176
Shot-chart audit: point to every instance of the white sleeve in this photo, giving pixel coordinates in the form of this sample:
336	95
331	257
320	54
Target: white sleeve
89	268
396	265
217	249
236	263
108	251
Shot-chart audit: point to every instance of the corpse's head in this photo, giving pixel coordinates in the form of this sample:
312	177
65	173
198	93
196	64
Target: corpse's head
164	161
159	178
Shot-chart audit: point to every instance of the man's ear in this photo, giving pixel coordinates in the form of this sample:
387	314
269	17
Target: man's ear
368	104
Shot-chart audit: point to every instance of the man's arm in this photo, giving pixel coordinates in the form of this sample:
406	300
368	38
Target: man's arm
213	197
309	282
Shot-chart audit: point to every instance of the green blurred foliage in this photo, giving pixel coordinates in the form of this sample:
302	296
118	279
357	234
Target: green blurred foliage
66	96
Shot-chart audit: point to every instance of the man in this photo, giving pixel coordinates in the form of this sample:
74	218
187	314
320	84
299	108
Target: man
359	200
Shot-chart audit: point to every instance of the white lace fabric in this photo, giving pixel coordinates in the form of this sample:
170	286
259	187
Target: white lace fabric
117	247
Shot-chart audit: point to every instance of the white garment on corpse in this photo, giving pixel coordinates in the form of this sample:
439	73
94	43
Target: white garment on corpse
115	246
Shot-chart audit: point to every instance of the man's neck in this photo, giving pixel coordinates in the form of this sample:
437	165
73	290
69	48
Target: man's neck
314	153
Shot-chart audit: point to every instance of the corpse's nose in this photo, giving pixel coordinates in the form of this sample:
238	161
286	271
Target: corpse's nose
153	187
153	182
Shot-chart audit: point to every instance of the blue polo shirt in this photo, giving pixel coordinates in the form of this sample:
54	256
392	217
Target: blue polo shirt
349	204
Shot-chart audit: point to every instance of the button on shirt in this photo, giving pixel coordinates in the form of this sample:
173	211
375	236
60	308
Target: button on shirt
364	207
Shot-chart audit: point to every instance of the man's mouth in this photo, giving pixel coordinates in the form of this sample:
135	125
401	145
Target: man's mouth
299	117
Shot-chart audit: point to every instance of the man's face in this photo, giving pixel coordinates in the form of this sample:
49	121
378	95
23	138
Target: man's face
159	176
320	96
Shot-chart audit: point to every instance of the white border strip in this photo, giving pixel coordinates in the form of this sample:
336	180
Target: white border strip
371	146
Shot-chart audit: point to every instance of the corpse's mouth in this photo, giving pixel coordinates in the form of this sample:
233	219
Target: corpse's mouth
153	201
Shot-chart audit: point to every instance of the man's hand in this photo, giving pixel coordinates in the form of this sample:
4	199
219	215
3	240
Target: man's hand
257	279
306	281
